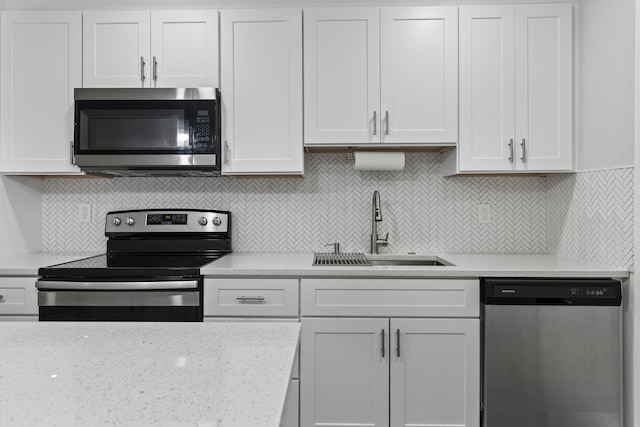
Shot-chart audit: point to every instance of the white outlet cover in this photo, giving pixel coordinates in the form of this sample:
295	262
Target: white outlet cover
484	214
84	212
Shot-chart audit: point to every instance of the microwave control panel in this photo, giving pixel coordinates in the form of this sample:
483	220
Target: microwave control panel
202	132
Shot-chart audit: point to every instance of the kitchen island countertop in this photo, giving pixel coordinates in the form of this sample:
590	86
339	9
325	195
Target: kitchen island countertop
137	374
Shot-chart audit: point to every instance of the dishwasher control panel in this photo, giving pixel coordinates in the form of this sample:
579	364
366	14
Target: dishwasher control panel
552	291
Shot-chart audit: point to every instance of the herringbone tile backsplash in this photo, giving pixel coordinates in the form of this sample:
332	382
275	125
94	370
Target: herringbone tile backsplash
590	216
422	211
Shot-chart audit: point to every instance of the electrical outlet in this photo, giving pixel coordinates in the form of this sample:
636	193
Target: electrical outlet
84	212
484	214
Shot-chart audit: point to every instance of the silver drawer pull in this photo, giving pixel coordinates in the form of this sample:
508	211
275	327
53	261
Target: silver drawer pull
250	299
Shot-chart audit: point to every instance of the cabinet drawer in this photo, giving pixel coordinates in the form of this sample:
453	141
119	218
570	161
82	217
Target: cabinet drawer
251	297
390	297
18	295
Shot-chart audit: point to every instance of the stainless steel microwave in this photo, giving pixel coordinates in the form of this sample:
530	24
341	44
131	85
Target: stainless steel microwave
147	132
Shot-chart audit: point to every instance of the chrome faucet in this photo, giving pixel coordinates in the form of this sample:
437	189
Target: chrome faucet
376	216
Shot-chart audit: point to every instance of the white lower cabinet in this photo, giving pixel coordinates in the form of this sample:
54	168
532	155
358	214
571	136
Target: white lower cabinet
389	371
18	297
258	300
345	376
435	372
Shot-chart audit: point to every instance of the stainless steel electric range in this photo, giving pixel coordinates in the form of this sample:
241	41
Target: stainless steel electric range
151	271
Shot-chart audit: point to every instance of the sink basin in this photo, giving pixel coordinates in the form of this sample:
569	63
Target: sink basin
416	260
360	259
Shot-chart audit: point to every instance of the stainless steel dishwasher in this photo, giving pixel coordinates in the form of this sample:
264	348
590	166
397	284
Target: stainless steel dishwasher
552	353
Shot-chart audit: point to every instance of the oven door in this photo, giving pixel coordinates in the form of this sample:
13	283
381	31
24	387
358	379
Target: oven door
122	300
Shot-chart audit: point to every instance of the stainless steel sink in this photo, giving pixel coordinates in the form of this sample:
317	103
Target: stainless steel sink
360	259
408	260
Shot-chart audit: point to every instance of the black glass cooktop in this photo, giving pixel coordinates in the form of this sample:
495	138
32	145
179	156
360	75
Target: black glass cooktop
109	266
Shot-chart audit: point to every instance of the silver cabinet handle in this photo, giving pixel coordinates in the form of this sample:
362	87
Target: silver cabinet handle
243	298
375	122
142	64
523	144
155	69
226	153
72	158
382	334
2	297
398	343
386	121
510	150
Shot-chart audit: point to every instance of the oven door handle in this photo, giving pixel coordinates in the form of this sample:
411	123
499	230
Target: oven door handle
117	285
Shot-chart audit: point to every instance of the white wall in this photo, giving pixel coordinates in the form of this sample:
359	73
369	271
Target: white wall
605	126
20	215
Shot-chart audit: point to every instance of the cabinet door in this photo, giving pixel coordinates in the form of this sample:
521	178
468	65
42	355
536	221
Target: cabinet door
419	75
543	86
435	372
342	75
261	81
116	47
41	65
184	48
487	121
18	296
344	372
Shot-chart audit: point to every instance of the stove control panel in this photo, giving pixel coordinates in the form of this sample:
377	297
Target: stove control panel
167	221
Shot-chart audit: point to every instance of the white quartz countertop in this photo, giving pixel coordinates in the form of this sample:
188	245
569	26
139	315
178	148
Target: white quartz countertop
299	264
145	374
465	265
28	264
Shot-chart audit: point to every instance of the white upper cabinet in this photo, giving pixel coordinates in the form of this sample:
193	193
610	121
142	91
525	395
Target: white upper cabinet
150	49
342	75
184	48
261	81
116	46
419	75
381	75
515	88
41	65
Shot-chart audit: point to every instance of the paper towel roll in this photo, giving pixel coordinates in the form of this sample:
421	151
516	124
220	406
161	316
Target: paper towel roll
378	161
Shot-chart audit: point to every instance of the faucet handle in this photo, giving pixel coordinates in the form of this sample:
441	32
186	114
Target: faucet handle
385	241
336	247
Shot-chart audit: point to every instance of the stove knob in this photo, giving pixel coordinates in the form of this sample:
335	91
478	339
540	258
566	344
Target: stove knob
202	220
130	221
116	221
217	221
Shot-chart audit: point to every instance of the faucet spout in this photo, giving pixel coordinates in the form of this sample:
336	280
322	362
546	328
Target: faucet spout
376	216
